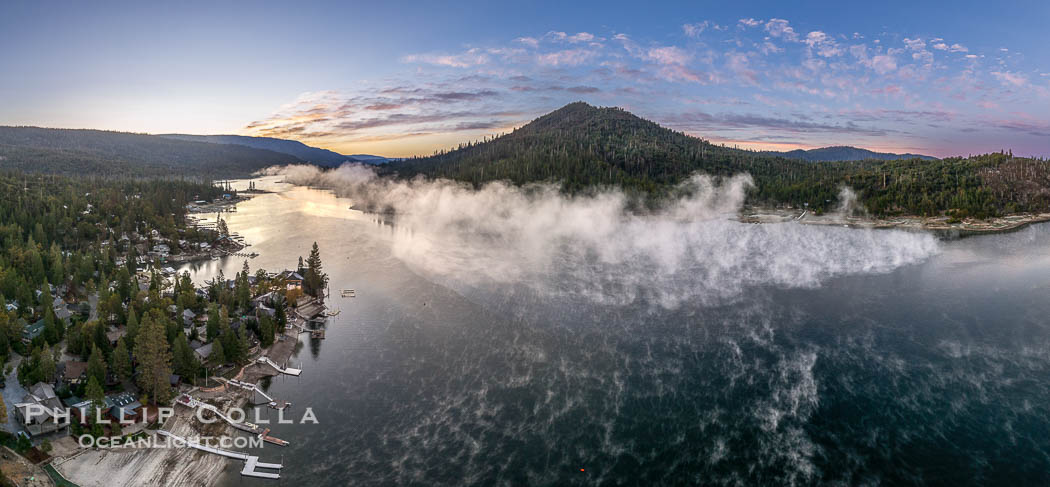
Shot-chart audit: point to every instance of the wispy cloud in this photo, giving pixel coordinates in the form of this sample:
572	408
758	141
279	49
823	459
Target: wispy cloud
697	28
473	57
566	57
905	82
779	28
1016	80
669	55
699	121
824	45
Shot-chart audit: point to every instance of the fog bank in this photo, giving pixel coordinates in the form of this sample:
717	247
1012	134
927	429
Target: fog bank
590	247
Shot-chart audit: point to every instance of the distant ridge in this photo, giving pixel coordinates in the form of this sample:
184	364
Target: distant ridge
844	153
123	154
370	159
298	149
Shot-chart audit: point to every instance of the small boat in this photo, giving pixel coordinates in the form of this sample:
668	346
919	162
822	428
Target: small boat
333	313
348	293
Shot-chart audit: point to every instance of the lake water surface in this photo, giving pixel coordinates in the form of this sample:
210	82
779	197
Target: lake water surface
928	370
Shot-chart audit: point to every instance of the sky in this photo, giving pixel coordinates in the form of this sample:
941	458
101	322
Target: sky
409	78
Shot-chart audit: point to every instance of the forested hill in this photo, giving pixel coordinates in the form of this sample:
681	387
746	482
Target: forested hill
580	146
843	153
121	154
298	149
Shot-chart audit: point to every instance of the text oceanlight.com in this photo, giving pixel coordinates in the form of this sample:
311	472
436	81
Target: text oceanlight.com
220	442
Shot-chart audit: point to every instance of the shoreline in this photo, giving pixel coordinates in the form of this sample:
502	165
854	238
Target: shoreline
939	226
186	466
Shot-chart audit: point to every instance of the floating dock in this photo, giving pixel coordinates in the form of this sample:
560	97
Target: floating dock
283	370
251	462
269	439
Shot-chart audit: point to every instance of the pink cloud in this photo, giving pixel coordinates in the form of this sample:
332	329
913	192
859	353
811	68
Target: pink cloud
823	44
883	63
1010	78
668	55
567	57
694	30
572	39
677	72
473	57
739	65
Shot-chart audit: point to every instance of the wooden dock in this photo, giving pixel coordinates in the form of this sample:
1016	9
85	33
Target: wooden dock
269	439
251	428
283	370
251	462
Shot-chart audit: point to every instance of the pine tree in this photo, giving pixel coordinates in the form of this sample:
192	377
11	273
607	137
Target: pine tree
266	331
242	343
213	322
185	362
154	358
97	397
315	279
228	338
96	367
47	365
130	264
121	361
94	393
100	339
124	282
218	355
53	329
132	327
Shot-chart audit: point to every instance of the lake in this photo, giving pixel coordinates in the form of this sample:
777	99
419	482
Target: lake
753	355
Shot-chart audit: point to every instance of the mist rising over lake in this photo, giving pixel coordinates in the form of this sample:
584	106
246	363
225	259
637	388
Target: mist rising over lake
659	349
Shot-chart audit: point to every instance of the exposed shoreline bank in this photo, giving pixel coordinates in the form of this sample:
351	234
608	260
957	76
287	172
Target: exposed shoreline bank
940	226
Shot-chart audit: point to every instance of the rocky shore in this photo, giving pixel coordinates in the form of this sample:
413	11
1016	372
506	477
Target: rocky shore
942	226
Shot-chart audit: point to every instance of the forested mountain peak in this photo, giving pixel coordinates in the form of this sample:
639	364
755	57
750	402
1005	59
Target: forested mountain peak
580	147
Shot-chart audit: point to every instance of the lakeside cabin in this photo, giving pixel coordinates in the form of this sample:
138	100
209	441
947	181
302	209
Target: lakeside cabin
73	372
29	332
43	419
308	308
203	352
293	279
